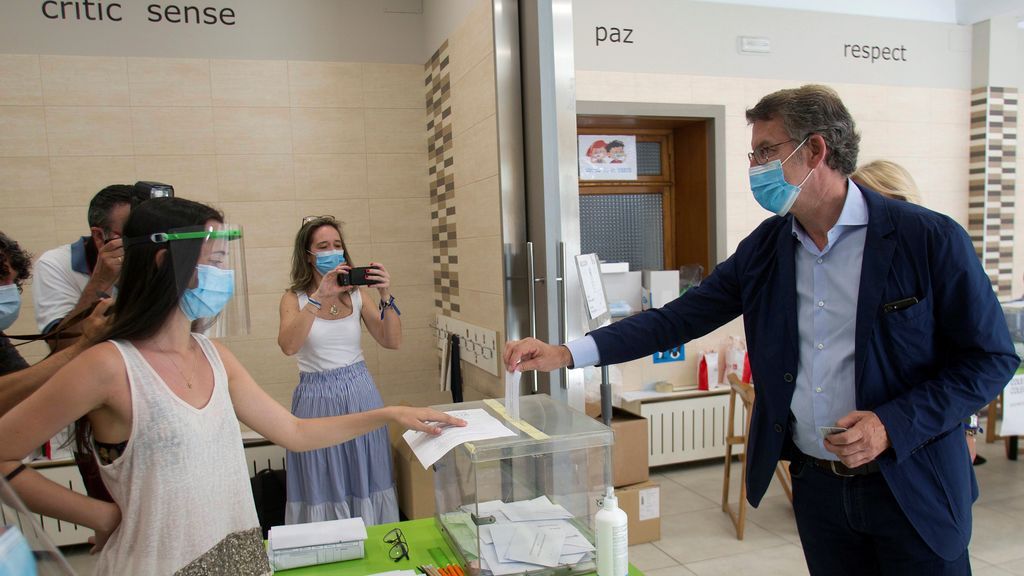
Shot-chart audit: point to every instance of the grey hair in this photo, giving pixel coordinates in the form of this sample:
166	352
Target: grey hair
814	109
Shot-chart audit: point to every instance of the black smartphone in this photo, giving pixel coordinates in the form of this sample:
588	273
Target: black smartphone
356	277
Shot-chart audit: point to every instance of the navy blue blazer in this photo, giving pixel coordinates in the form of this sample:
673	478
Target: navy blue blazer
922	369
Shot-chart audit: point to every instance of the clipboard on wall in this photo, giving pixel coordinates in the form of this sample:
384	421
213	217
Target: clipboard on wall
595	302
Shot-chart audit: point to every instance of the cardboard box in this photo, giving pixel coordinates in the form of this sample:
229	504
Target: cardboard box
642	503
630	451
414	486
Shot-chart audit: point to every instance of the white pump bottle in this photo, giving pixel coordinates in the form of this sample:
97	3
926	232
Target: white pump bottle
612	538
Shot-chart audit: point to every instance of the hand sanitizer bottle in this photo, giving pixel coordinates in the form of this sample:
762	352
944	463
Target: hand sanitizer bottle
612	538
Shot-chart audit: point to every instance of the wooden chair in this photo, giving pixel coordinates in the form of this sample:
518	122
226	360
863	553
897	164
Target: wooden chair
746	394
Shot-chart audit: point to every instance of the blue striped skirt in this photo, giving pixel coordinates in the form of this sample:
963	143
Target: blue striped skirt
345	480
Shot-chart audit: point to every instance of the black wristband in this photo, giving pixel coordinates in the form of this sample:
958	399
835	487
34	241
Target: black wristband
14	473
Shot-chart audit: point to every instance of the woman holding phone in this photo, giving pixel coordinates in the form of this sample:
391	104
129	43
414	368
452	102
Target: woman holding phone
321	317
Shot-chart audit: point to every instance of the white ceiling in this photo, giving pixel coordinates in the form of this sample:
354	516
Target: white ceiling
948	11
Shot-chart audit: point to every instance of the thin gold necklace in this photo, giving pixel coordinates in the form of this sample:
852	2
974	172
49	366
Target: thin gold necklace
188	380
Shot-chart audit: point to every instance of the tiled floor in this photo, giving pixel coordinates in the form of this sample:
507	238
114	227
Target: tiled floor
698	538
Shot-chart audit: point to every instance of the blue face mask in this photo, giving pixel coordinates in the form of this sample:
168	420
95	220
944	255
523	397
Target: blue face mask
770	188
16	557
215	287
328	260
10	305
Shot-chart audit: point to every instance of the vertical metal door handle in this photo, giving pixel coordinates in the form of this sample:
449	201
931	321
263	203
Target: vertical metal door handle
531	293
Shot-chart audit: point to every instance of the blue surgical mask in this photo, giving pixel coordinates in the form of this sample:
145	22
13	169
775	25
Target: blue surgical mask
770	188
328	260
16	557
10	305
215	287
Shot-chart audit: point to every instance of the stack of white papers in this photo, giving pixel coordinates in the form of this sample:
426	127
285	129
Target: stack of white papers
526	535
314	543
479	426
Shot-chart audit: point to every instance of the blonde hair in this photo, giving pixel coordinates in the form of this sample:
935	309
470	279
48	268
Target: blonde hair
890	179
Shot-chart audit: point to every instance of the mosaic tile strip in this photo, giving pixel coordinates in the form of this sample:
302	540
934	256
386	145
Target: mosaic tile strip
441	172
993	176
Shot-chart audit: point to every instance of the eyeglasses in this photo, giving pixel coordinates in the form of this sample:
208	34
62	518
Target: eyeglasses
765	153
399	547
308	219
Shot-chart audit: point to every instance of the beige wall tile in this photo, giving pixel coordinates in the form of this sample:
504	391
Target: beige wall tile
264	316
471	40
89	131
267	224
76	180
71	222
393	86
327	131
950	106
193	177
478	208
949	140
252	130
169	82
483	309
353	213
33	228
22	131
408	262
479	384
84	81
20	82
400	384
908	103
265	361
326	176
473	97
397	175
281	392
267	270
480	264
405	220
326	84
249	82
476	153
417	305
417	353
395	131
25	183
419	399
257	177
169	131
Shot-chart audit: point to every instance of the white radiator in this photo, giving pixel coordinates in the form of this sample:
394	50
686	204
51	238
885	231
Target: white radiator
688	429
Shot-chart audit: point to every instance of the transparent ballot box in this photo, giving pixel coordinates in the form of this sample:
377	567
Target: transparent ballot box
525	504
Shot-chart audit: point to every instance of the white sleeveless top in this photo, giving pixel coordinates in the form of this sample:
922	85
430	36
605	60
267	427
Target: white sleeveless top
182	482
332	343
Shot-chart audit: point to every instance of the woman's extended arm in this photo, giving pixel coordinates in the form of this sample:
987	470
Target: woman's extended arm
257	410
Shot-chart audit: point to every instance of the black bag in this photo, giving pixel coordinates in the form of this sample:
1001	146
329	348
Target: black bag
270	494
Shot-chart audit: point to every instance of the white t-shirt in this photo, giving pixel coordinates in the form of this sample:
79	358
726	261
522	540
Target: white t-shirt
56	286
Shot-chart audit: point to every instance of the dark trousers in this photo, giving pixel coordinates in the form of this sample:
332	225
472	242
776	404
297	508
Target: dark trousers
855	526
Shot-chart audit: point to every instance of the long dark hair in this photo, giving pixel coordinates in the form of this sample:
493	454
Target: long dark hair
148	291
302	271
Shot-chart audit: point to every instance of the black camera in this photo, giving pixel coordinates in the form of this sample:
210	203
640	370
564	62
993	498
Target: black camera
356	277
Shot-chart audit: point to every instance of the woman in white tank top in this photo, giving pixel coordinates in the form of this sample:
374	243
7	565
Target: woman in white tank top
163	405
320	326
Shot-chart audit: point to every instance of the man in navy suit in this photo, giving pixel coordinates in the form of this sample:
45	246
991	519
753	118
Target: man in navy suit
860	312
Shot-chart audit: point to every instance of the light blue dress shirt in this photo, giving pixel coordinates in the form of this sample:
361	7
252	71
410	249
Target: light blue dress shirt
827	285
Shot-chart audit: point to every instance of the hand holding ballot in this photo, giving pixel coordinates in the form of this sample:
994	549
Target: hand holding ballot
532	354
478	425
425	420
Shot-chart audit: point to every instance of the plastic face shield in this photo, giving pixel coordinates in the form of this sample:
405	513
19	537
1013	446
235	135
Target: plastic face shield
209	269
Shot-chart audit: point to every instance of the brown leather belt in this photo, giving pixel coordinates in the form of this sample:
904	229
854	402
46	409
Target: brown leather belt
836	468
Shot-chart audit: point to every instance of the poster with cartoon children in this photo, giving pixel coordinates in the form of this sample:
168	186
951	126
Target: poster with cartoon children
607	157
